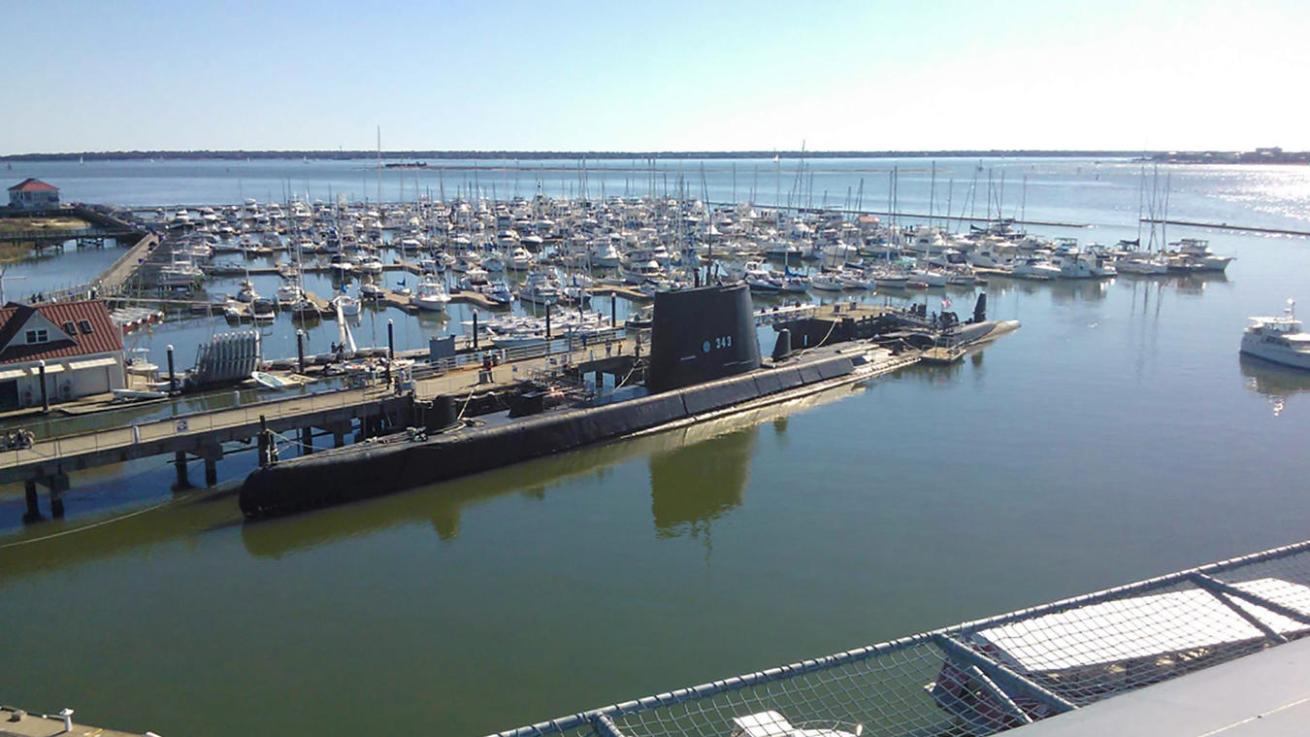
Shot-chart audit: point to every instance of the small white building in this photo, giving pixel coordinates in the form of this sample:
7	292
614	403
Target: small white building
33	194
80	347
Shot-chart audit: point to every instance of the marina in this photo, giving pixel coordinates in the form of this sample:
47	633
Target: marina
957	474
655	369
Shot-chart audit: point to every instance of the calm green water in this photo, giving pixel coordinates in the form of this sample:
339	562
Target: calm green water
1115	436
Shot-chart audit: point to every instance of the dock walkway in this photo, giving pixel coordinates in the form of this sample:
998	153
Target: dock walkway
46	725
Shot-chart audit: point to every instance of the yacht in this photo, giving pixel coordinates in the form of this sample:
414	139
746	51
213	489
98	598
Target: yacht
1278	339
1036	268
473	279
247	292
637	272
759	278
263	310
539	289
1194	254
1142	263
497	291
289	294
827	282
180	272
431	296
519	260
929	277
1075	264
605	256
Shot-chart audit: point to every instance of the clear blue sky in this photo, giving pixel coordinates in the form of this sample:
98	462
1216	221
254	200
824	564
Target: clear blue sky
560	75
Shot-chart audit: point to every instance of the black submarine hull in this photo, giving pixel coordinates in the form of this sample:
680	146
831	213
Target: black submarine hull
396	463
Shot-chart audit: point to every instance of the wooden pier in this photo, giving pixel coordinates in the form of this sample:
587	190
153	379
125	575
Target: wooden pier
376	407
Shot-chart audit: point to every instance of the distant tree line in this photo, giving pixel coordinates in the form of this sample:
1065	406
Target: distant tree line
569	155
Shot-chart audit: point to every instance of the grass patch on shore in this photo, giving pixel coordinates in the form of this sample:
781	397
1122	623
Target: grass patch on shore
17	224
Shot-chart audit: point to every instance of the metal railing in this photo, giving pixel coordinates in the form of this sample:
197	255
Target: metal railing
993	674
200	421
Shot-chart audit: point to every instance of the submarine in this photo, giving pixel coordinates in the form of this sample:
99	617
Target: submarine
704	363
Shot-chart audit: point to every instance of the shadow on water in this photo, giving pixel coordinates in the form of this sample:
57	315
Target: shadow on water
1276	383
697	474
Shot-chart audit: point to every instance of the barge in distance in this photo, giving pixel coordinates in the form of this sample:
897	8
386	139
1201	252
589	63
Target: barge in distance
704	363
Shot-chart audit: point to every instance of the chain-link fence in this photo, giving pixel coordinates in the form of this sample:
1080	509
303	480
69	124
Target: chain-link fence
987	676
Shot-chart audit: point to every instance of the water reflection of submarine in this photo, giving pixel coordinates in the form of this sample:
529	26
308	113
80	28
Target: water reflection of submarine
442	504
706	473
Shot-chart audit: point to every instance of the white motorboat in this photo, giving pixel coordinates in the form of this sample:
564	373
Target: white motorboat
289	294
431	296
498	291
1142	263
247	292
605	256
1036	268
1278	339
637	272
928	277
519	260
1194	254
539	289
263	310
827	282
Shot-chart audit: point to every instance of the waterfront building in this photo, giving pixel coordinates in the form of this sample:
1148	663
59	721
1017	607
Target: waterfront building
77	345
33	194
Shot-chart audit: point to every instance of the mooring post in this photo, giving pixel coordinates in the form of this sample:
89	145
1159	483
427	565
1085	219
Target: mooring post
29	493
172	376
475	330
264	454
548	326
300	349
614	310
45	393
306	440
391	340
179	464
211	471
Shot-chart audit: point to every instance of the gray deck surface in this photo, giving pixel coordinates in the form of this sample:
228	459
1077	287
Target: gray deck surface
1262	695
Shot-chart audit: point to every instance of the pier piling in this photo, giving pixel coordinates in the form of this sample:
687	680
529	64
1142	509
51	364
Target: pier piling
172	376
45	391
33	512
300	350
306	440
179	464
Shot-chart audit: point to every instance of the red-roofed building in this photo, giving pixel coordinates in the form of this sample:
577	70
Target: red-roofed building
33	194
80	347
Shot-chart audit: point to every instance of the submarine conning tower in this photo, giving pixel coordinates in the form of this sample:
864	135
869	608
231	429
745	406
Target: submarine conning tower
701	334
